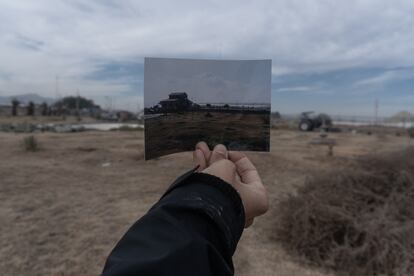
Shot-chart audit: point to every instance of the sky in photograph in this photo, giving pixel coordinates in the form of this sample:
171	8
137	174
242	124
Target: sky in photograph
208	81
329	56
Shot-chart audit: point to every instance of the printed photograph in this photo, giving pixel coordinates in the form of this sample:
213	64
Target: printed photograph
216	101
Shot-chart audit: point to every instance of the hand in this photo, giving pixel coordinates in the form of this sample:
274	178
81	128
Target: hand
237	170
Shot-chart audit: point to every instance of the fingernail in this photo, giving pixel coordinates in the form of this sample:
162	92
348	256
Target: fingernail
221	149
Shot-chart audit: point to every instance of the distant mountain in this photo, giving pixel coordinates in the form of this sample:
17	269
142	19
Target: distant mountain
25	98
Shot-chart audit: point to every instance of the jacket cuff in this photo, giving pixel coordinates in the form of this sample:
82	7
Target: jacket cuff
228	212
220	184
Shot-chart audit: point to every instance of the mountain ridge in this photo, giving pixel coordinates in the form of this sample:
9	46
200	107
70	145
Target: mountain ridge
26	98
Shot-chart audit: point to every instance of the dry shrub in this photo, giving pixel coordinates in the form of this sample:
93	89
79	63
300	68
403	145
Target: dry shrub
357	221
30	143
411	132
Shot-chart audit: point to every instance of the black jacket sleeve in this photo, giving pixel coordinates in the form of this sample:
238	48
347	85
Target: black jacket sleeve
193	230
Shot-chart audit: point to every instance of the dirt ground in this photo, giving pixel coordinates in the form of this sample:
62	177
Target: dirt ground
63	208
177	132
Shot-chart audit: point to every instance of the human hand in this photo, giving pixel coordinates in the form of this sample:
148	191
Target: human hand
237	170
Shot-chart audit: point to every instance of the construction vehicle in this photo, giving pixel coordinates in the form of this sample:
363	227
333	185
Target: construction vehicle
310	121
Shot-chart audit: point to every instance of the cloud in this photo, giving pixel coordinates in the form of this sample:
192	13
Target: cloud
384	77
76	39
294	89
27	43
387	77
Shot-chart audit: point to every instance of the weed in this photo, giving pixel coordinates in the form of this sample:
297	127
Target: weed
358	220
30	143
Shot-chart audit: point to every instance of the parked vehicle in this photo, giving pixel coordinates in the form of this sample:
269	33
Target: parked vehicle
310	121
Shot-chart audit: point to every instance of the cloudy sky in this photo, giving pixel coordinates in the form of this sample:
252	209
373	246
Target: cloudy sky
208	81
327	55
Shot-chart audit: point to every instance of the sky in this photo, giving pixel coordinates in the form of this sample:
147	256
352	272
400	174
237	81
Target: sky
208	81
327	55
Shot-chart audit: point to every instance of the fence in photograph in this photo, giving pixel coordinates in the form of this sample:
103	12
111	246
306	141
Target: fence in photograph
178	102
233	107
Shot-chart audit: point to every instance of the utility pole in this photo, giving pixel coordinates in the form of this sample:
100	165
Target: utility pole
77	106
138	106
57	88
376	111
58	109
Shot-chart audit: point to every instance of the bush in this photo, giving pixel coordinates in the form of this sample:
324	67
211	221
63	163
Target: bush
30	143
128	128
359	221
411	132
7	127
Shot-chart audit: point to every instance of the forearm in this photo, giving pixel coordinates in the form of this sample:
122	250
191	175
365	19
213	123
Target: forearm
199	220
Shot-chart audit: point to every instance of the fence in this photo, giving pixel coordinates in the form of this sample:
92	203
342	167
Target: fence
373	121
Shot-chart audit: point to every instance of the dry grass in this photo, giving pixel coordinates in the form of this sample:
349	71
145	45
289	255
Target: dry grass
30	143
411	132
62	210
177	132
357	221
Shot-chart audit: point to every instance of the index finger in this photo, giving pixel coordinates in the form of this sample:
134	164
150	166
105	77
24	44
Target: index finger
205	149
245	168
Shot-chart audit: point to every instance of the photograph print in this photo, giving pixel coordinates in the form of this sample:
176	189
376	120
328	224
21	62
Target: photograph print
216	101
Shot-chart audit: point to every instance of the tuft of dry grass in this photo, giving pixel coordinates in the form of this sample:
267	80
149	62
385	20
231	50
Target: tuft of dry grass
357	220
411	132
30	143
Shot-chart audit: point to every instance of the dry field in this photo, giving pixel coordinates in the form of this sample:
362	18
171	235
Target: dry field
63	208
177	132
47	119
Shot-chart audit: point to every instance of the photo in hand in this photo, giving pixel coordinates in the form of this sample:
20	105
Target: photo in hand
216	101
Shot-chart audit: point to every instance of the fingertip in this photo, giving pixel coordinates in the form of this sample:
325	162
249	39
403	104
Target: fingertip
204	148
220	147
201	145
219	152
199	159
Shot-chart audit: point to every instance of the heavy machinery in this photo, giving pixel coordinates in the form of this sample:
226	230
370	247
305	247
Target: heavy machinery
310	121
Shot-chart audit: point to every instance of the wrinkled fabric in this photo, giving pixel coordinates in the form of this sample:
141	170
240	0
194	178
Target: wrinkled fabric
193	230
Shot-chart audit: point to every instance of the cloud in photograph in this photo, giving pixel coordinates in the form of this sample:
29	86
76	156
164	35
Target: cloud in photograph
208	81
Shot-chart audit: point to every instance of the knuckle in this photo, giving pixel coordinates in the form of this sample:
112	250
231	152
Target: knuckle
220	147
201	144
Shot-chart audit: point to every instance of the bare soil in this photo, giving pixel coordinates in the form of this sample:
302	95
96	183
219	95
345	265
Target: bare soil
64	207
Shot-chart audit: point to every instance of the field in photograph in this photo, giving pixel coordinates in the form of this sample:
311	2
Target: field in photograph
176	132
65	206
